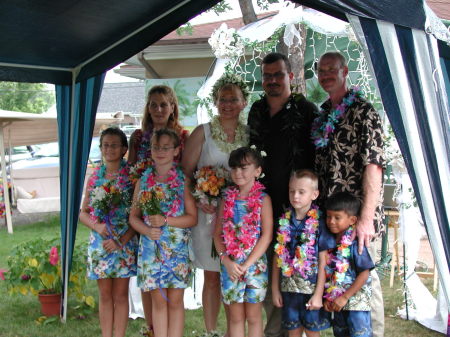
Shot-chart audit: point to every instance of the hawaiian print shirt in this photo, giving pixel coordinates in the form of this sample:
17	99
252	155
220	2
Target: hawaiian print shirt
356	142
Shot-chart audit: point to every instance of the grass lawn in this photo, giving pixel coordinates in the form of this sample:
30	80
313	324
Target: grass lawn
18	313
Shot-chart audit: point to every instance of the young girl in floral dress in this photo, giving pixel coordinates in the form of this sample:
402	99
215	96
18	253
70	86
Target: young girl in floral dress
163	210
243	233
112	243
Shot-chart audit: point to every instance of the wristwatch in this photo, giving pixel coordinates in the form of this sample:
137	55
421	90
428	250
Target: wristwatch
221	255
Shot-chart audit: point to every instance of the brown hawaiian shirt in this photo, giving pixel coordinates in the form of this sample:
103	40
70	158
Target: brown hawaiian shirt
356	142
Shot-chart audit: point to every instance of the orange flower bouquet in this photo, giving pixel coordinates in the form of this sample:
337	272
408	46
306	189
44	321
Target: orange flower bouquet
209	183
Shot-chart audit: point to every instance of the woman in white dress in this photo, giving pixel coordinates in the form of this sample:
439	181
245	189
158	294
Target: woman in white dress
211	144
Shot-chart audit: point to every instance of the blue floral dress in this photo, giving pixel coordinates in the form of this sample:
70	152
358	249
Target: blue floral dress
165	263
119	263
252	287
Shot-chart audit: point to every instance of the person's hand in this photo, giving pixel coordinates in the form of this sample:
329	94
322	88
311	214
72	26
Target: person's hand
277	299
207	208
365	231
110	245
154	233
234	270
328	306
339	303
314	303
156	220
101	229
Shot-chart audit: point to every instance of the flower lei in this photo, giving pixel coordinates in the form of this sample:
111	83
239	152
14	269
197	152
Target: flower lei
239	238
144	150
220	138
337	266
304	260
322	129
174	180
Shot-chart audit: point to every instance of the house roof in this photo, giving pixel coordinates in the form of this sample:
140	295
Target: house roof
125	97
441	8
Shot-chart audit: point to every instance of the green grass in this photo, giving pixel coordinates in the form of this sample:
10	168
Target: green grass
18	313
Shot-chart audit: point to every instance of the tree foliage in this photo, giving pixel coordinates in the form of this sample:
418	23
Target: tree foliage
25	97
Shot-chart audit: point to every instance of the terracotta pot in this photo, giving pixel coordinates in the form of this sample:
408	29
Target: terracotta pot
50	304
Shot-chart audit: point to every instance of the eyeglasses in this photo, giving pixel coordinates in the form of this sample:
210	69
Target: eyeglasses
322	71
277	76
162	149
230	101
111	146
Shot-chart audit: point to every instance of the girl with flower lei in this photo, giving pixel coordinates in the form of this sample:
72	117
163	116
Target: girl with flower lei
300	256
164	266
112	244
347	287
242	234
210	144
323	126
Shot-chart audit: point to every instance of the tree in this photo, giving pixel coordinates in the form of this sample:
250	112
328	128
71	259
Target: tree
295	52
25	97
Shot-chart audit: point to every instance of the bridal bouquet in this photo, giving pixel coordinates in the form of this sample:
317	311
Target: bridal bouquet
209	183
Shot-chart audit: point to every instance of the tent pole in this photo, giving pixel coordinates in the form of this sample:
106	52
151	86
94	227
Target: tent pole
5	183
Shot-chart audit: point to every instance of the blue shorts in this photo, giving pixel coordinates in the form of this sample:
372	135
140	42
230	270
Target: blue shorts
349	323
295	315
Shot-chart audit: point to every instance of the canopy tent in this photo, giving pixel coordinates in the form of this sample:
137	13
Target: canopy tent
21	128
71	43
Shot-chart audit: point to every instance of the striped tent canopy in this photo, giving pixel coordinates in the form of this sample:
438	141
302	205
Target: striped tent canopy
72	43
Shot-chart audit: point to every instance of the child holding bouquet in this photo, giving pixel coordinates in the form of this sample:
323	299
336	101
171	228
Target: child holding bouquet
348	282
112	243
163	211
300	256
243	233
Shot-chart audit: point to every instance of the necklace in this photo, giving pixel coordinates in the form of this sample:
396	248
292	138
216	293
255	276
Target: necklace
337	266
221	139
304	260
240	238
324	125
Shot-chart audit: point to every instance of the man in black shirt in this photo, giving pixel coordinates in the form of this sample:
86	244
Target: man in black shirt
280	125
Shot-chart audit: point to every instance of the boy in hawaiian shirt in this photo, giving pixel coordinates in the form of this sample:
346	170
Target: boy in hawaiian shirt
300	255
347	287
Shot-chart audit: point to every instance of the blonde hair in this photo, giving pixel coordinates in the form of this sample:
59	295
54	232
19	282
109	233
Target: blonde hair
172	123
305	173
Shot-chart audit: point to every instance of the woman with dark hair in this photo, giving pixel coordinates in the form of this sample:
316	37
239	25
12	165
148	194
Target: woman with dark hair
210	145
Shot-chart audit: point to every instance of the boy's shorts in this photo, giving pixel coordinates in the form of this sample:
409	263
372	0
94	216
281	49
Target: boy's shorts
251	288
352	323
295	315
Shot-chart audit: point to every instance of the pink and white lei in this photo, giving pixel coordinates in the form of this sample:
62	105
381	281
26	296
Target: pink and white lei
304	260
242	237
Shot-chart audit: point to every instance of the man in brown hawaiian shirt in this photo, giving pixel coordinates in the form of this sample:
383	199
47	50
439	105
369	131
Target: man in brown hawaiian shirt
349	157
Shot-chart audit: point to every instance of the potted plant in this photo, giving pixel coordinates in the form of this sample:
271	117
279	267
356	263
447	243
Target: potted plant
34	267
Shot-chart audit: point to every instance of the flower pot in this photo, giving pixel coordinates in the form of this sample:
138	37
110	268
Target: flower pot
50	304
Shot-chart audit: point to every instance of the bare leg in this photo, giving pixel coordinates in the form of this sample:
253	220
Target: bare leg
211	299
120	298
237	320
253	315
296	333
312	333
176	312
106	306
147	305
160	313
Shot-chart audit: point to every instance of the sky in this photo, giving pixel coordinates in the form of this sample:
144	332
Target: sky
112	77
